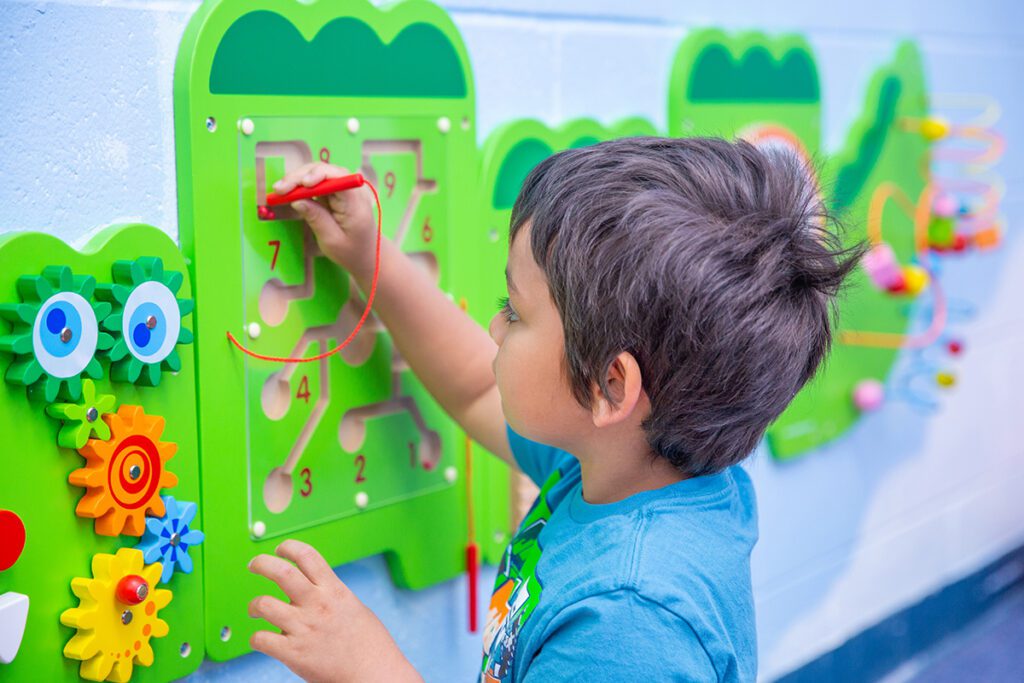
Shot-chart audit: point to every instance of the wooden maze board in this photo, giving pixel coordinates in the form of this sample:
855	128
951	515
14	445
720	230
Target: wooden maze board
349	453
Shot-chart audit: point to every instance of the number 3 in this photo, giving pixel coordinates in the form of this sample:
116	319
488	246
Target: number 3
307	478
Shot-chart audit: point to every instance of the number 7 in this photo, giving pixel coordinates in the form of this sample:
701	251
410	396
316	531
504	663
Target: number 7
276	244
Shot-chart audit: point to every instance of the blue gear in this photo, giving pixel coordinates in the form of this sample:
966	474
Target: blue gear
167	539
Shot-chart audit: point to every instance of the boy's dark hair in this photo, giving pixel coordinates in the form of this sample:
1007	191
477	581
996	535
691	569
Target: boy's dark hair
712	262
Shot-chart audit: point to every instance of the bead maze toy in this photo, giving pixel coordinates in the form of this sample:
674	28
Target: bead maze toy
347	452
99	387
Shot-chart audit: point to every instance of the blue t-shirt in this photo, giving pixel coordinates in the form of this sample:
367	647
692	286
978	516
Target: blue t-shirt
655	587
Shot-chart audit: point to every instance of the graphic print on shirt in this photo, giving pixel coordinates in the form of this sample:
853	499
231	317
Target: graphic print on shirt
516	590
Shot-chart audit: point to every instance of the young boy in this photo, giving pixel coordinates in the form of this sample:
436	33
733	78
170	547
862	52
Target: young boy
667	299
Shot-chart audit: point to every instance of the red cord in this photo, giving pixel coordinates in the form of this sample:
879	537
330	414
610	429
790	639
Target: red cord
362	319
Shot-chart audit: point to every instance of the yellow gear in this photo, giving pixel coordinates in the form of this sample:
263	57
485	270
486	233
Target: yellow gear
124	474
113	634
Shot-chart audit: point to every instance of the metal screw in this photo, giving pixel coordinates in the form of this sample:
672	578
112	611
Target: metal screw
142	592
92	414
126	617
211	124
66	335
134	471
175	539
151	322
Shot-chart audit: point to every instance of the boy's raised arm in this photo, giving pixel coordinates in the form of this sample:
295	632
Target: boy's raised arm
447	350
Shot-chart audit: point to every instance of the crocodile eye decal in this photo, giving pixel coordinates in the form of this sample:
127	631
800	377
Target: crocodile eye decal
146	320
151	322
55	332
64	335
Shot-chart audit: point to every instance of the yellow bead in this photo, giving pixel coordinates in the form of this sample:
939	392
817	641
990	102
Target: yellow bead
916	279
945	379
934	128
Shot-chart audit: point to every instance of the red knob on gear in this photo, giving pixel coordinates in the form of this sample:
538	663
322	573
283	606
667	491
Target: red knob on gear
132	590
12	539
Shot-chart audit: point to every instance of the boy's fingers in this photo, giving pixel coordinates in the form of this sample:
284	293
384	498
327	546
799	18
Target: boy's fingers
312	563
277	612
308	174
292	178
320	172
269	643
287	576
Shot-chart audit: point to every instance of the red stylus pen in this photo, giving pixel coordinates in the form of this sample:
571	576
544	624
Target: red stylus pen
329	186
324	187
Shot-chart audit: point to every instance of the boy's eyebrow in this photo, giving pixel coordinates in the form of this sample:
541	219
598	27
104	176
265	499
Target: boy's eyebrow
508	280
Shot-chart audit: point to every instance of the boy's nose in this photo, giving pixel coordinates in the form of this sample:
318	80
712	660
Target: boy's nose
496	328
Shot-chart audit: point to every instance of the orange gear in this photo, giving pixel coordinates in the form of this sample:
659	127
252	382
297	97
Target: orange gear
124	475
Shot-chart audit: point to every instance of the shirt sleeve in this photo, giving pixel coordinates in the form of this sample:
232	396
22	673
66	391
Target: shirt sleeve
536	460
619	636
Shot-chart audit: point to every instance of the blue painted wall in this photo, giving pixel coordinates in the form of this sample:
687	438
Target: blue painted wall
909	502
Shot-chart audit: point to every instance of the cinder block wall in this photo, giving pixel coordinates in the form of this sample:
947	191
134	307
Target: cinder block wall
908	503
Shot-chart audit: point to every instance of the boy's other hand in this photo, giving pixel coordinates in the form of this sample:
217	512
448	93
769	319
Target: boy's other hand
344	223
327	634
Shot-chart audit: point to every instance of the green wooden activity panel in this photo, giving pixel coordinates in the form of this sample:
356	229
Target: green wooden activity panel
766	90
102	473
349	453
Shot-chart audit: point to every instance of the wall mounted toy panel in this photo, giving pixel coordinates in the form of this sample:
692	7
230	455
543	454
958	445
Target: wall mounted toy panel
100	537
881	185
507	157
349	453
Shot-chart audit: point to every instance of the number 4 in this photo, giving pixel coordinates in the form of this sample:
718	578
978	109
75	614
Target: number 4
303	391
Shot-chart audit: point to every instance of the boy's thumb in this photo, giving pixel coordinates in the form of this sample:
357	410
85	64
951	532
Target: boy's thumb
318	217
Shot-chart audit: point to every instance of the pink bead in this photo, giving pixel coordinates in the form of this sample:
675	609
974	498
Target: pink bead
883	268
869	394
945	206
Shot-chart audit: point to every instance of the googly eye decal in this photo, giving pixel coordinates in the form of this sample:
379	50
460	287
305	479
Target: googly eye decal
55	333
65	335
146	319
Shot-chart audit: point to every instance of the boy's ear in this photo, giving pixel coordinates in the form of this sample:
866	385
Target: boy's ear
625	384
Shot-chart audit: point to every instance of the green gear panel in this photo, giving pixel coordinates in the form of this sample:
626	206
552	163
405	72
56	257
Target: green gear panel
59	544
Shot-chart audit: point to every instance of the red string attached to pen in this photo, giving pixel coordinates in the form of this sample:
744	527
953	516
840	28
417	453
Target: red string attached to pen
327	187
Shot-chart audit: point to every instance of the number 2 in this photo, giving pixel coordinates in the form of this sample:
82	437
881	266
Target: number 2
307	478
361	464
303	391
276	244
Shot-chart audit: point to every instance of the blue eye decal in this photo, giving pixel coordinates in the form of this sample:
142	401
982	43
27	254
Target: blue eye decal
66	334
146	319
55	334
151	322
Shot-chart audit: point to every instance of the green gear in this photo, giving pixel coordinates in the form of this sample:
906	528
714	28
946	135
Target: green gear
124	365
34	291
83	419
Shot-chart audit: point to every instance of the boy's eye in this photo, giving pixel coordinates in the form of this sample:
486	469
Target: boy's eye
506	310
